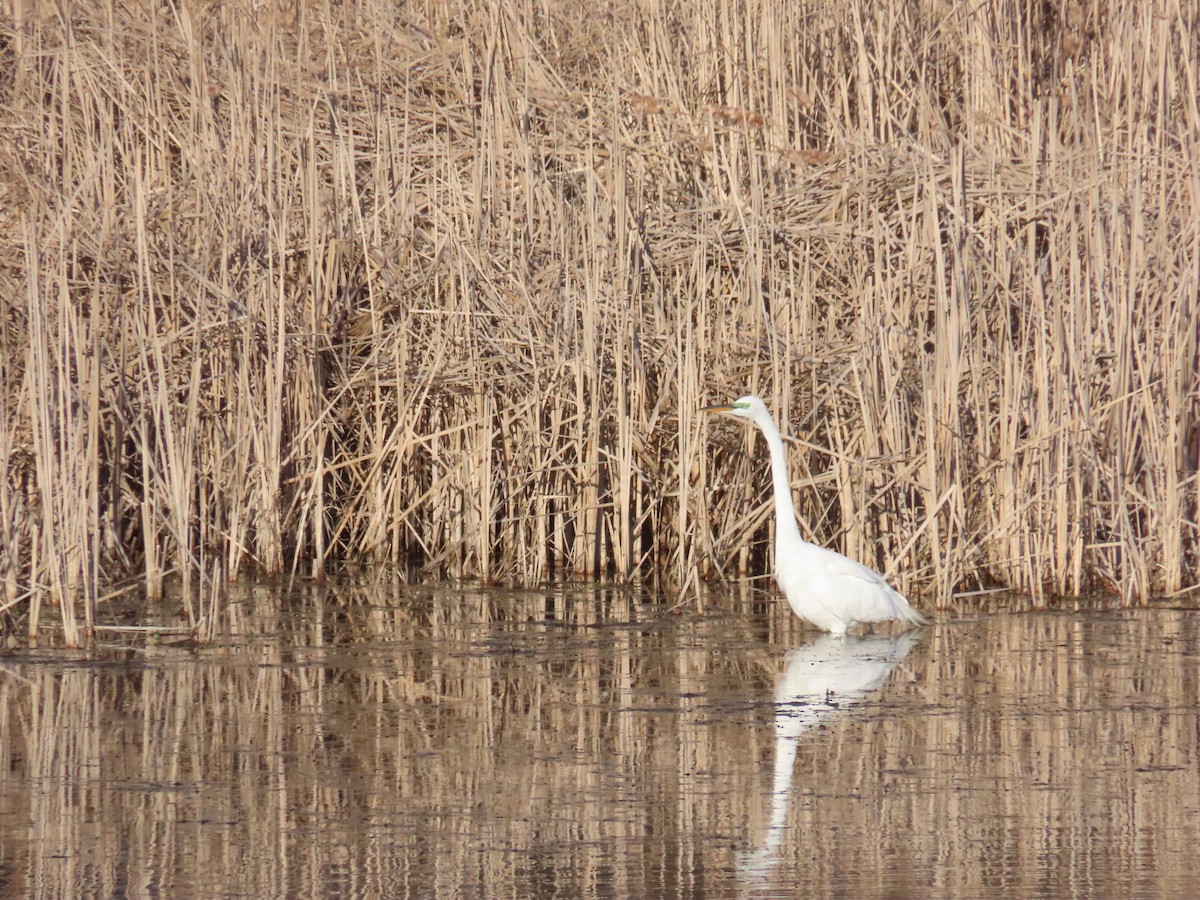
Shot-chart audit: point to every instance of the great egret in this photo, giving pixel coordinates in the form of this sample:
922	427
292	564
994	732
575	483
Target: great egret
822	586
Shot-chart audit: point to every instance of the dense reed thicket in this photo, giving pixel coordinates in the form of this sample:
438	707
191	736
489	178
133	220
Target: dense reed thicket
445	283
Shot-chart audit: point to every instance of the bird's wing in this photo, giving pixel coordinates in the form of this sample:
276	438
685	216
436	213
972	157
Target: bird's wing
858	592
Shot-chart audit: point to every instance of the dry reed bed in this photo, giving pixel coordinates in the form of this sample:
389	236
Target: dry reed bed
445	285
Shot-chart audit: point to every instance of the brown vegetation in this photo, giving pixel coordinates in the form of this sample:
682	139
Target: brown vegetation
445	283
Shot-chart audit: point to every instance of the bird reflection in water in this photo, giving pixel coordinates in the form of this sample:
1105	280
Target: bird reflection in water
832	675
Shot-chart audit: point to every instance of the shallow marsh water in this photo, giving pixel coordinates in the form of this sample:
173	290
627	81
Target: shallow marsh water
415	742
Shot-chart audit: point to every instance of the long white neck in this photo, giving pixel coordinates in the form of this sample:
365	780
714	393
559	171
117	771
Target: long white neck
785	512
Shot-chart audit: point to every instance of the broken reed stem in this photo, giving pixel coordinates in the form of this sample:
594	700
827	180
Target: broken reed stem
451	296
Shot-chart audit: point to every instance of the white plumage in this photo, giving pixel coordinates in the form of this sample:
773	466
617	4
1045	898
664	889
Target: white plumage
822	586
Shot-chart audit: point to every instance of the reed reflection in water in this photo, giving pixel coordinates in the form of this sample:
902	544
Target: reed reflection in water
420	743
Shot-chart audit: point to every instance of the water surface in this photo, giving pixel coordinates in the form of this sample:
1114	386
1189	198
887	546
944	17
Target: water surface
415	742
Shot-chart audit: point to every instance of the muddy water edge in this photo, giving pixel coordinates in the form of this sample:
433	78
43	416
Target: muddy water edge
361	741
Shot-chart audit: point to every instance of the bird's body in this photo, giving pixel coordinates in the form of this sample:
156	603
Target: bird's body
822	586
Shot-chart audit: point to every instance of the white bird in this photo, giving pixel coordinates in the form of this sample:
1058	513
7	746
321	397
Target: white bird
822	586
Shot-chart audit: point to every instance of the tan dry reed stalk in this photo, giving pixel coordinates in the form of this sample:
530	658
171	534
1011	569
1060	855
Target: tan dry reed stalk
445	286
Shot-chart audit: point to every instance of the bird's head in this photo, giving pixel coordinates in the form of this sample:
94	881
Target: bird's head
748	407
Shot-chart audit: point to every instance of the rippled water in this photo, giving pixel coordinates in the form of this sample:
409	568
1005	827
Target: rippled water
355	742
